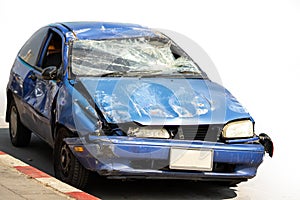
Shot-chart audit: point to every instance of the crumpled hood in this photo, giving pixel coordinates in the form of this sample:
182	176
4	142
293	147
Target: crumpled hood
155	101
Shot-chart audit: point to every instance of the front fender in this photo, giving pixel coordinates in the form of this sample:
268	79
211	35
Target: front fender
74	111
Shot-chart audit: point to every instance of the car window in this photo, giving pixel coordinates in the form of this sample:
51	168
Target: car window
146	56
52	52
32	48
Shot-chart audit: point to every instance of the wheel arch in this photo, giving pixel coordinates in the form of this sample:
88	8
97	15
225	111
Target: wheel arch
58	126
9	101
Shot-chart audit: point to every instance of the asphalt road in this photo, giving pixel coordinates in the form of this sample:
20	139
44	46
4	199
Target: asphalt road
268	184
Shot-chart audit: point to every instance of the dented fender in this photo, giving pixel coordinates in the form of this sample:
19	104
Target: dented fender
70	102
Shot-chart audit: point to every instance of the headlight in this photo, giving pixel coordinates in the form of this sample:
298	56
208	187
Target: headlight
238	129
146	132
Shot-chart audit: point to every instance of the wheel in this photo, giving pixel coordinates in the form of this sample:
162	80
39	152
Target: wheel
19	135
66	166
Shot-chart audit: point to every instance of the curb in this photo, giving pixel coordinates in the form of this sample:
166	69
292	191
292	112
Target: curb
45	179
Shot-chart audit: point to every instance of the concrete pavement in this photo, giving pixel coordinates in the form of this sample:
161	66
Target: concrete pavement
19	181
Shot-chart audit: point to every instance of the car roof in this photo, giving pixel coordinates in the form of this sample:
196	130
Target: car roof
101	30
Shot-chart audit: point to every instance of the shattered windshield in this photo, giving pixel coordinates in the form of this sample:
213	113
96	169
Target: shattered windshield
143	56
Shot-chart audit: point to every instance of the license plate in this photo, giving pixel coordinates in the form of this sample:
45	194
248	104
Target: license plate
191	159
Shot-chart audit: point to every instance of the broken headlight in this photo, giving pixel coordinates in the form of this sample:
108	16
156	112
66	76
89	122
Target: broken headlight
146	132
238	129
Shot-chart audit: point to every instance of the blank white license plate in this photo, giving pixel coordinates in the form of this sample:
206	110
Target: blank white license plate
191	159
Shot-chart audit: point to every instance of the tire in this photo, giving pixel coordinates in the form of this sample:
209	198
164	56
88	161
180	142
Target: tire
66	166
19	135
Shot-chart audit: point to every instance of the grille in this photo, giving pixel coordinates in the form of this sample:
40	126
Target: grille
200	132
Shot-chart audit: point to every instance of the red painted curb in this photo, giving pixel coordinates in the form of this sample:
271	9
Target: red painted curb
32	172
82	196
37	174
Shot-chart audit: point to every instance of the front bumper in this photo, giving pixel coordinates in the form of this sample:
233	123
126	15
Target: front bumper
125	157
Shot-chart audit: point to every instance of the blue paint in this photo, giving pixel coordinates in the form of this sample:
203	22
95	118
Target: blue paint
246	157
137	99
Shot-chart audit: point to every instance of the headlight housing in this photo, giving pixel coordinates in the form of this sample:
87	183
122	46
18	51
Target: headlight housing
238	129
147	132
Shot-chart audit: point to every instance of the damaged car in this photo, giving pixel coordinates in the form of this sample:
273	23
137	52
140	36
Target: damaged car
126	101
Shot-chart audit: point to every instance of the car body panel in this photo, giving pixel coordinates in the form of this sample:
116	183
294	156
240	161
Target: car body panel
153	101
34	98
106	30
82	121
122	157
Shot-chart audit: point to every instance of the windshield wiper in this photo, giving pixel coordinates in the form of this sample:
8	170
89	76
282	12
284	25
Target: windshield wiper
148	73
133	73
190	74
154	73
117	73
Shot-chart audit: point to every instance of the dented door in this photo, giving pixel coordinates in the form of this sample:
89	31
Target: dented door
40	100
36	95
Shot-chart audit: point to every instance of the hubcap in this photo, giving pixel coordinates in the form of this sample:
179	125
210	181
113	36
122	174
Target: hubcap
13	121
65	159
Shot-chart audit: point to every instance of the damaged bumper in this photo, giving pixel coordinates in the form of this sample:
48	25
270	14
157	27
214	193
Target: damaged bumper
125	157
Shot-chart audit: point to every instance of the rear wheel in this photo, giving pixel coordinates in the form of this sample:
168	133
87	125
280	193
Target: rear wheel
19	135
66	166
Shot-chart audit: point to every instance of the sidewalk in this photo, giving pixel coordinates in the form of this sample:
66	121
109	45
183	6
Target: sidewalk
19	181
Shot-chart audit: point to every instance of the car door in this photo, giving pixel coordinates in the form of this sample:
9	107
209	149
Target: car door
38	93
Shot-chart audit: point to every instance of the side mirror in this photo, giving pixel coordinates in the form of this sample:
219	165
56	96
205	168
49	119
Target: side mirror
49	73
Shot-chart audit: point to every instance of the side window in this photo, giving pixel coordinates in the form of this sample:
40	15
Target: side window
32	48
53	51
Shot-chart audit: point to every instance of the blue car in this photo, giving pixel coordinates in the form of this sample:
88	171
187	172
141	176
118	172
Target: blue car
126	101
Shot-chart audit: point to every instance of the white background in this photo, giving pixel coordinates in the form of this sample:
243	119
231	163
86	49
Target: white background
255	46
